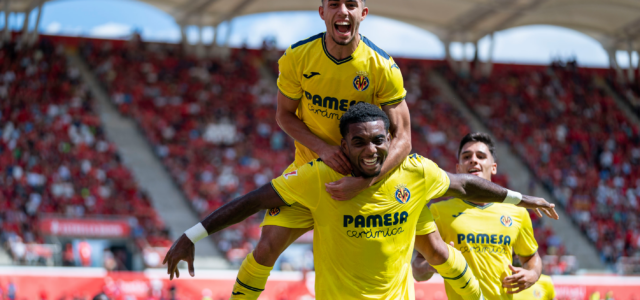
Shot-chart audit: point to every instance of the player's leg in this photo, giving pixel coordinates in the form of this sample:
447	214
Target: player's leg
450	264
280	228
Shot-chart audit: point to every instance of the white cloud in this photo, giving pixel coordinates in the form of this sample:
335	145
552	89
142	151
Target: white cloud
111	30
53	28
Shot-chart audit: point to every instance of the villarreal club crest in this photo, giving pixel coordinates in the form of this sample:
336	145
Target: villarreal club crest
274	211
402	193
506	221
361	82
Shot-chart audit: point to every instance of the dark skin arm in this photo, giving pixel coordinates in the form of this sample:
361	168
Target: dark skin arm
298	130
476	189
400	128
523	278
231	213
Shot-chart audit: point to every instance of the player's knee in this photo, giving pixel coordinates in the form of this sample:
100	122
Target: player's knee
436	253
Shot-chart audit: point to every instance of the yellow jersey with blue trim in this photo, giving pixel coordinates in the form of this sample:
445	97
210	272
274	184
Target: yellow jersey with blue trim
487	235
326	86
542	290
363	246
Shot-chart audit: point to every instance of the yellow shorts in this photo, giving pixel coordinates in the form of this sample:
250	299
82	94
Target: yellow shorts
294	216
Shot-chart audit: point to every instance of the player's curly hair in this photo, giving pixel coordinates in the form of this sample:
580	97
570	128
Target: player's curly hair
362	112
478	137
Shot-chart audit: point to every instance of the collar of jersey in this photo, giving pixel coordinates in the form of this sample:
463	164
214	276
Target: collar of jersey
476	205
333	59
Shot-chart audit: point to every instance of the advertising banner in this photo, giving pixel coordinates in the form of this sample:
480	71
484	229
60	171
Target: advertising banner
90	228
85	283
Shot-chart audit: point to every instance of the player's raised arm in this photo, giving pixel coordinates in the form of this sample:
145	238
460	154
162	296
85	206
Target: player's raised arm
476	189
297	129
227	215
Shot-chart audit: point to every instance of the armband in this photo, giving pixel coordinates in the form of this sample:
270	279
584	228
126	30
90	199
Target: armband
196	233
512	197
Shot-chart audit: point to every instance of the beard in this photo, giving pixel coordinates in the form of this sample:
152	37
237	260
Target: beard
343	43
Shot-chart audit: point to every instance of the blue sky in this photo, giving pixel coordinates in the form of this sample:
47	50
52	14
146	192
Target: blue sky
117	18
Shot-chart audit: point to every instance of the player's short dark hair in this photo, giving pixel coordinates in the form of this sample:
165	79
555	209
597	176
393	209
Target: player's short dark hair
362	112
478	137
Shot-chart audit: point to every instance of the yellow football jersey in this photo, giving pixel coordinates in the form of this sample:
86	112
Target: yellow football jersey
326	87
363	246
486	235
542	290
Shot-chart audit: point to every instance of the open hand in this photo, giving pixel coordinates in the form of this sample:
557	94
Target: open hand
182	249
347	187
335	159
520	280
537	204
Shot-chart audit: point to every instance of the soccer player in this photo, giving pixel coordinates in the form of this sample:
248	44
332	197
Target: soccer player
320	78
486	234
363	246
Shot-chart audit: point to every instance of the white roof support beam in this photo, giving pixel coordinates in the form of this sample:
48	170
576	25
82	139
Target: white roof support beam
515	15
192	8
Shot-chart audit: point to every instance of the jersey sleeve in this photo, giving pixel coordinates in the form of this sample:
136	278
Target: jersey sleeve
391	90
289	78
426	223
436	179
301	185
526	244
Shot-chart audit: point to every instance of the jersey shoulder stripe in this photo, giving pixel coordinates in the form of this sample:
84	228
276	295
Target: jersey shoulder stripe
307	40
279	195
375	48
392	102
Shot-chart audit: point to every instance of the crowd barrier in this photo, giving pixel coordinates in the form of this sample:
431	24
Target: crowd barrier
62	283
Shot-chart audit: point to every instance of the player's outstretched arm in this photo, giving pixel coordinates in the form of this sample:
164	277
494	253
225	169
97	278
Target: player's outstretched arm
231	213
474	188
298	130
525	277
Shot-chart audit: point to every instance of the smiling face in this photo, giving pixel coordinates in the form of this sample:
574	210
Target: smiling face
367	146
476	159
342	18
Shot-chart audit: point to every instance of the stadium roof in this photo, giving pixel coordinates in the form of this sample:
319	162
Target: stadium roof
612	22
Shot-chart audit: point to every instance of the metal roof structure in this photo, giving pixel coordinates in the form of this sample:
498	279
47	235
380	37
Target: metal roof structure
612	22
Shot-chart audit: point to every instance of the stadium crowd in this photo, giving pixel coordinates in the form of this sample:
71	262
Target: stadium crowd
55	158
627	88
210	121
574	138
